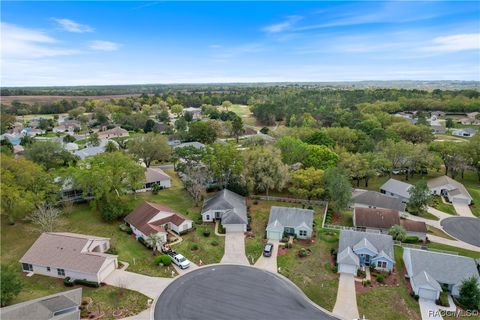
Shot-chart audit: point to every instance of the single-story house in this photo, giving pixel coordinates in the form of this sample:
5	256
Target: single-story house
153	218
196	112
359	249
465	132
372	199
383	219
433	272
194	144
32	132
438	128
291	221
113	133
228	207
92	151
156	176
71	146
396	188
64	254
60	306
452	189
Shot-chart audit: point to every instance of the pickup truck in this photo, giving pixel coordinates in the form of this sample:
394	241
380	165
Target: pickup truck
179	260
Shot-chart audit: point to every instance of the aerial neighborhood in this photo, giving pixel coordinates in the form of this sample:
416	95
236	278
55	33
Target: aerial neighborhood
177	160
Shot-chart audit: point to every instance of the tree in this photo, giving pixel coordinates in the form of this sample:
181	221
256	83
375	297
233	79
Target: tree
307	183
188	116
419	197
194	181
111	146
474	153
25	186
75	113
163	116
68	138
226	105
320	157
181	124
264	169
293	149
46	218
237	127
101	115
26	141
190	156
177	109
398	232
469	293
6	121
94	140
449	123
11	284
224	162
320	138
108	176
150	147
49	154
397	154
154	240
338	187
6	146
202	132
149	126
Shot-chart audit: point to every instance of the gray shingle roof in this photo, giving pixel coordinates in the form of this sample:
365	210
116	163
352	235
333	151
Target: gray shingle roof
228	200
444	268
423	278
397	187
349	238
347	256
454	187
379	200
156	174
291	217
195	144
364	243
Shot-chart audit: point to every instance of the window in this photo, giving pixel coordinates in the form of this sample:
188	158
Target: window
61	272
381	264
302	233
48	269
27	267
207	217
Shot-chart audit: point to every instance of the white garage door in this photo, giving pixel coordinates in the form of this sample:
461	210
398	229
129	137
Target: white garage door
347	268
235	227
460	201
427	294
274	235
107	270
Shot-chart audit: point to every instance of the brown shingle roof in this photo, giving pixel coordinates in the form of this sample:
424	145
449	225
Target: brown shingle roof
64	251
413	226
376	218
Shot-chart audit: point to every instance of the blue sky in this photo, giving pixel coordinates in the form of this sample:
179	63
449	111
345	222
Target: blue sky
90	43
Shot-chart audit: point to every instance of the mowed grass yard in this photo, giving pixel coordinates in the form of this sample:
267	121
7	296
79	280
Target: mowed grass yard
470	181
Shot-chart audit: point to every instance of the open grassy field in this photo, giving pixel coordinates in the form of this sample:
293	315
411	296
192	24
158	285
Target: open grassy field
390	302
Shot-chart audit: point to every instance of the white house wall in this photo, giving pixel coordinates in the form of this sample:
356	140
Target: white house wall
37	269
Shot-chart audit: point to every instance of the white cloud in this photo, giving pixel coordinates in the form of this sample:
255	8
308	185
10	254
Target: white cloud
72	26
282	26
18	42
454	43
104	45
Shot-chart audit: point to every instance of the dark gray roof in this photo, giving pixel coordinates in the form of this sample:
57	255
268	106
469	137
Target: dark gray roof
381	242
290	217
379	200
397	187
58	303
443	267
231	202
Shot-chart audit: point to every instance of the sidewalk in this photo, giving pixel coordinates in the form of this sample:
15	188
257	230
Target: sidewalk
453	243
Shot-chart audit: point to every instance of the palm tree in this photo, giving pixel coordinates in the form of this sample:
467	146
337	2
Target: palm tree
154	241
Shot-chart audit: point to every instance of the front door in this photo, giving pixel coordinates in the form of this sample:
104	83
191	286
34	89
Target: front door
218	215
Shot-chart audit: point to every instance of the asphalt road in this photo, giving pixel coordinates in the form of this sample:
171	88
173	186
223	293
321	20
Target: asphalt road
463	228
234	292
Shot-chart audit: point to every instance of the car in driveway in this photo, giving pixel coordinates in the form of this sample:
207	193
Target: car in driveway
267	250
180	261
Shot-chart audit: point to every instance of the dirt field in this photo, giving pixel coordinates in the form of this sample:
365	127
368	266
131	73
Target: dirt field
7	100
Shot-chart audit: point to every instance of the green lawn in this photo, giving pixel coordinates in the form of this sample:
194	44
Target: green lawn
460	251
313	274
391	302
438	204
437	232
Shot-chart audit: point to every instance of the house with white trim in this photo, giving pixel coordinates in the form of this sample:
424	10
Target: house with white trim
227	207
290	221
455	192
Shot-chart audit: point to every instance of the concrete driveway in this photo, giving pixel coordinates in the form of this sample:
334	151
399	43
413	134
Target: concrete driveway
346	303
269	263
235	249
429	310
463	210
193	266
152	287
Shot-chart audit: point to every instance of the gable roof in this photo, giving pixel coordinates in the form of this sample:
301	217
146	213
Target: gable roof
379	200
234	205
443	267
397	187
348	257
375	218
291	217
413	226
65	251
423	278
141	217
155	174
450	184
381	242
364	243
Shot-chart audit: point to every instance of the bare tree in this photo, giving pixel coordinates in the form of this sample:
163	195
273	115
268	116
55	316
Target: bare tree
194	182
46	218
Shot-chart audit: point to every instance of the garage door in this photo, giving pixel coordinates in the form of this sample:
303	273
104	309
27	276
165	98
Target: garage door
235	227
460	201
105	272
346	268
274	235
427	294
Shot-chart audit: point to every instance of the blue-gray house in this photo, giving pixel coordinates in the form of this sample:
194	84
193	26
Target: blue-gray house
359	249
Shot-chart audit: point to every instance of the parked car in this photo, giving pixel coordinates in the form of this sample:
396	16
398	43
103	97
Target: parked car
267	250
179	260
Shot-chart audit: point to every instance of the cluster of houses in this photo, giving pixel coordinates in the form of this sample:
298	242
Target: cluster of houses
445	186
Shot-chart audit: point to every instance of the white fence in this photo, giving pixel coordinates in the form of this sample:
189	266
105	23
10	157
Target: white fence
284	199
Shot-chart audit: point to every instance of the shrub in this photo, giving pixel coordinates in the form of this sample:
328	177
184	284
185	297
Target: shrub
411	239
221	229
68	282
125	228
163	260
206	233
264	130
86	283
214	243
334	268
380	278
113	210
366	282
11	284
194	247
303	252
443	299
156	188
112	250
